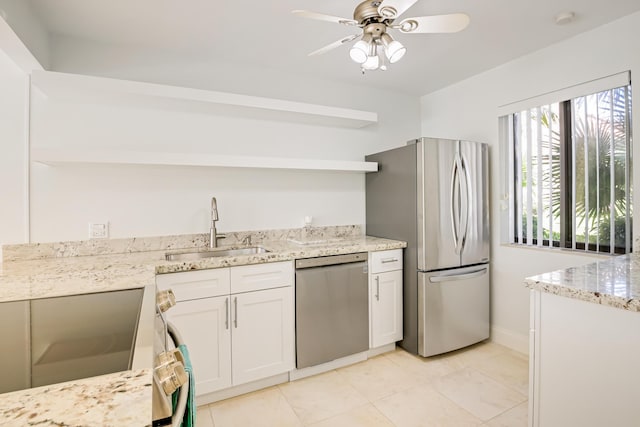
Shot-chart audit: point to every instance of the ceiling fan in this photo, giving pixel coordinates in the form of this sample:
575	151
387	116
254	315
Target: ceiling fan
376	17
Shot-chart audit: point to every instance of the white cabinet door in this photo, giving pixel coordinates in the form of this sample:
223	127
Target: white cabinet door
386	308
263	334
205	328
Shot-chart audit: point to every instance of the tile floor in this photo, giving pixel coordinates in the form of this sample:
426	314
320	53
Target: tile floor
485	384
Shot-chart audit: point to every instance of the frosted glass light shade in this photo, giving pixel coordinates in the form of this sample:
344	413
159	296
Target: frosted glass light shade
372	63
395	51
359	51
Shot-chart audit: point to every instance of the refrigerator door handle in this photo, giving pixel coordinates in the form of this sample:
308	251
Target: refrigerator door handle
452	207
466	202
452	277
456	204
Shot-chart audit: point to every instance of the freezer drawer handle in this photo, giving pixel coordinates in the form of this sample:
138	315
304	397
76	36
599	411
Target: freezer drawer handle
386	260
452	277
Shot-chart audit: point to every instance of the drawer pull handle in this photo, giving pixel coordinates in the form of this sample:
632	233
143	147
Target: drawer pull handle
377	288
385	261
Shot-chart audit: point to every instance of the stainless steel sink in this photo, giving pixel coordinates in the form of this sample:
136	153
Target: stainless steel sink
187	256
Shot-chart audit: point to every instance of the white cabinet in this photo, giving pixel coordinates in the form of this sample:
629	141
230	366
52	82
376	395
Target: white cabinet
202	317
238	322
385	297
263	331
203	324
582	362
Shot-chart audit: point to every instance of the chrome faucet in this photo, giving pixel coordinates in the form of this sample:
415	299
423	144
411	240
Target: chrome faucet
213	233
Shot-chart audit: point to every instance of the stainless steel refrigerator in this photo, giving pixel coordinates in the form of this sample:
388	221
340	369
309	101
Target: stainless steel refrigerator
434	194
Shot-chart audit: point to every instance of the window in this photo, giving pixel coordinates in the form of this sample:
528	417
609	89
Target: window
571	173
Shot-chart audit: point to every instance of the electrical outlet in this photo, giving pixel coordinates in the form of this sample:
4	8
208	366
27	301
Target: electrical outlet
98	230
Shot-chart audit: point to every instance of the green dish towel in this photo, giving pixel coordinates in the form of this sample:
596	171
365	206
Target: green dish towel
189	419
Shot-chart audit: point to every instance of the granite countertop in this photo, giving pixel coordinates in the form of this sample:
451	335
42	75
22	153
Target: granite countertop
49	270
114	400
51	277
614	282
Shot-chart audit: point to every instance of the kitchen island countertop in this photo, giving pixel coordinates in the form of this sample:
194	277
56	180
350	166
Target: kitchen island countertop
613	282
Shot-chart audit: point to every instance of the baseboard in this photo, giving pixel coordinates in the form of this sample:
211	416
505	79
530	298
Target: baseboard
297	374
242	389
513	340
381	350
293	375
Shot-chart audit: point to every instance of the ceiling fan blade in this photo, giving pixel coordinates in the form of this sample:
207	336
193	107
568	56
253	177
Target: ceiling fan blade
391	9
323	17
451	23
335	44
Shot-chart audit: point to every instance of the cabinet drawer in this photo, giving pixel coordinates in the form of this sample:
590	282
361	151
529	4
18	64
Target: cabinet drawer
191	285
256	277
385	261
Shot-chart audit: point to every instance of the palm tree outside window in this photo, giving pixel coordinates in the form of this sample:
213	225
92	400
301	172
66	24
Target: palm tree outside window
572	173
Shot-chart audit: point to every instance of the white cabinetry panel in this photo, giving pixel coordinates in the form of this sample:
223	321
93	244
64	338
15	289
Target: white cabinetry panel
203	324
196	284
257	277
583	363
386	308
263	334
385	297
382	261
237	322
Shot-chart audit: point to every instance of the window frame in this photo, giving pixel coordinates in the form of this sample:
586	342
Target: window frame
567	232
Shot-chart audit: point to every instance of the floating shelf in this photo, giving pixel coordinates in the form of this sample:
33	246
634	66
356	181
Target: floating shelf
67	156
125	92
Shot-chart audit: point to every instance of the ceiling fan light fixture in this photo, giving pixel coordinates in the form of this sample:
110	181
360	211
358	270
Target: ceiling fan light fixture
360	50
372	63
376	17
393	48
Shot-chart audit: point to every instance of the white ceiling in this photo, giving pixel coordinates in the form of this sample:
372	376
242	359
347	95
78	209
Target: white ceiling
264	34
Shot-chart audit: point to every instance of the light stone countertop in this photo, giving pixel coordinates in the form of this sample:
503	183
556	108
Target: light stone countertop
114	400
124	398
614	282
51	277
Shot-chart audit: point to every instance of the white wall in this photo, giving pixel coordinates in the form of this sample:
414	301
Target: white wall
28	27
13	95
143	201
468	110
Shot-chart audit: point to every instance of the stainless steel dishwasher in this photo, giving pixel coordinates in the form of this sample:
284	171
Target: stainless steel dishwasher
332	308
